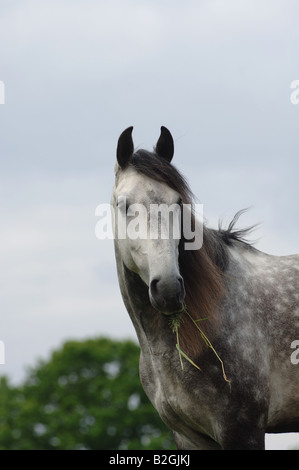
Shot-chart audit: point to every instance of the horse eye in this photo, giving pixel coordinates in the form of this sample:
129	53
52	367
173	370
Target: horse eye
122	204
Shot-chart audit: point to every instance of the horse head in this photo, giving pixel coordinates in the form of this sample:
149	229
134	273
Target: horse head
148	220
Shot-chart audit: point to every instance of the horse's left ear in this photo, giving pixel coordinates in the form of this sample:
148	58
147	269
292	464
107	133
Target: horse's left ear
125	147
165	145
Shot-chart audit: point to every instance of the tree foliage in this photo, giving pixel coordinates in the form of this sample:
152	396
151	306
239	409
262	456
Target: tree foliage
87	396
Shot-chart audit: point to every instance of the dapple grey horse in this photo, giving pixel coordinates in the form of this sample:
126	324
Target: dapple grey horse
247	300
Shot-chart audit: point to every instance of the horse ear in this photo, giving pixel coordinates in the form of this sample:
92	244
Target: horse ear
125	147
165	145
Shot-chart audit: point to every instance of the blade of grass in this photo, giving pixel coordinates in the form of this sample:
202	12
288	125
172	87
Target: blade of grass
209	344
186	357
179	349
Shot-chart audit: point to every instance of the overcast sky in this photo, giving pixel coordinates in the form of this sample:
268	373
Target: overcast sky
217	73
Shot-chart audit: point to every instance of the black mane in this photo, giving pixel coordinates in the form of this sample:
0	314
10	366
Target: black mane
231	235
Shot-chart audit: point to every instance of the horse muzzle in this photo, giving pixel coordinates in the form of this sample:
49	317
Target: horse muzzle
167	296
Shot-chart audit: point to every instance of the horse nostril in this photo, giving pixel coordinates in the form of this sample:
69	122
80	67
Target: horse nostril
154	286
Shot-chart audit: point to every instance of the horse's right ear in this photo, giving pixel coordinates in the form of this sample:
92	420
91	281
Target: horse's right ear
125	147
